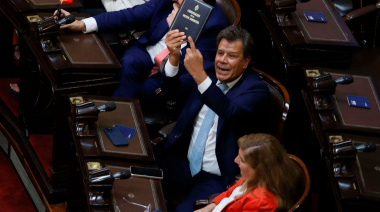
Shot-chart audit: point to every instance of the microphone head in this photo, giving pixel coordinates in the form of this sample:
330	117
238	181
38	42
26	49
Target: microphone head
367	147
124	174
371	146
110	106
347	79
67	20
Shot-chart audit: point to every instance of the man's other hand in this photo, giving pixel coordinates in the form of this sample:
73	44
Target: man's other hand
172	15
194	63
75	26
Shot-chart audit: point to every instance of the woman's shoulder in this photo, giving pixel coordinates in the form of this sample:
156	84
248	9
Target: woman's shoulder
261	199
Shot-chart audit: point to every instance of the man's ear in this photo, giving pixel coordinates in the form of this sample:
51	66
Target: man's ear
246	61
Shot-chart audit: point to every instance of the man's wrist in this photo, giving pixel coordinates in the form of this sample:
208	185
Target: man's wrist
174	59
203	86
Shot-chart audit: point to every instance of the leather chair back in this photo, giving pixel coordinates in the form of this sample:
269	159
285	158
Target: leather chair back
231	10
302	201
280	97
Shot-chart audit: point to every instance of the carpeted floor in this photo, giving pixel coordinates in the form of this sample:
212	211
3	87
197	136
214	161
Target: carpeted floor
13	196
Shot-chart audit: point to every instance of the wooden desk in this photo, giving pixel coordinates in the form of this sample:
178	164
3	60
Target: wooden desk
47	77
310	43
355	177
13	8
96	147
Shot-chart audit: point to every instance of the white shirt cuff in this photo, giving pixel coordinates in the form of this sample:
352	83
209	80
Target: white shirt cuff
171	70
204	85
91	25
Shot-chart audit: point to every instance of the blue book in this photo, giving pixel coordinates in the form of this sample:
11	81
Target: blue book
315	16
358	101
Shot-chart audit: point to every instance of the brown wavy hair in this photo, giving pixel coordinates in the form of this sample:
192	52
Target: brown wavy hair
275	171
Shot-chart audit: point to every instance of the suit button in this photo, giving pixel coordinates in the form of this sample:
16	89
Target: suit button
176	137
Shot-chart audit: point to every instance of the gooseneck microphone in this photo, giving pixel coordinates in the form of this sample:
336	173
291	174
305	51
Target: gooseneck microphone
66	20
367	147
109	106
347	79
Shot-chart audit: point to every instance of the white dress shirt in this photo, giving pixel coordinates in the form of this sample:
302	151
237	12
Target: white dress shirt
235	193
210	163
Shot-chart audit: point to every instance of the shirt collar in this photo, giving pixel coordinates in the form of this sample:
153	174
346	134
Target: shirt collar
230	84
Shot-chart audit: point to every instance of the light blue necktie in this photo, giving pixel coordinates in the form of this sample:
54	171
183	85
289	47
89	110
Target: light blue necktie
199	144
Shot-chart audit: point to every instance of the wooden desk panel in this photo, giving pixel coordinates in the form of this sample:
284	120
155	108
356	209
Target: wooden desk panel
127	113
354	117
311	43
138	190
26	5
334	32
355	188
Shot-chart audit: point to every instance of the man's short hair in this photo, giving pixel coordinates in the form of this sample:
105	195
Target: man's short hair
234	33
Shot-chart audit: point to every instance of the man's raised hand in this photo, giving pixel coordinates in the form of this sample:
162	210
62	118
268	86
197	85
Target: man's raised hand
194	62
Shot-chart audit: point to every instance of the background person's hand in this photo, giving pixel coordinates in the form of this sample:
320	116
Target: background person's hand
75	26
194	62
174	39
172	15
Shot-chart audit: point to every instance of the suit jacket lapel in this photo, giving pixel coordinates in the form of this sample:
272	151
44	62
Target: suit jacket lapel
232	93
161	29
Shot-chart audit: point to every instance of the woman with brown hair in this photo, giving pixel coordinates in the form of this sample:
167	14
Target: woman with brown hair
269	178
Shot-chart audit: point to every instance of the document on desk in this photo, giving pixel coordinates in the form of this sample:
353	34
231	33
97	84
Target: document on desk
191	18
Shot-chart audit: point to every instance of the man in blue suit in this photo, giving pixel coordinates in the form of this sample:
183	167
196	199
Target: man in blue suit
239	108
137	61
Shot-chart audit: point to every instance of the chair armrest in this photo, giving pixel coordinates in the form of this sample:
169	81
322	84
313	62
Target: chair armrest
198	204
361	12
163	134
201	203
165	131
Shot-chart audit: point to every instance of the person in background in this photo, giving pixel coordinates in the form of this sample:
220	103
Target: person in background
269	178
139	61
220	105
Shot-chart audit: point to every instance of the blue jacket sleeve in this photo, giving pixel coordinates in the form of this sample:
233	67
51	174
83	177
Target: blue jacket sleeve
136	17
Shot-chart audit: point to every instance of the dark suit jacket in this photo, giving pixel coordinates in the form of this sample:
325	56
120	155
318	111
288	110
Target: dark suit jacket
241	111
152	15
